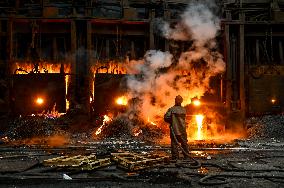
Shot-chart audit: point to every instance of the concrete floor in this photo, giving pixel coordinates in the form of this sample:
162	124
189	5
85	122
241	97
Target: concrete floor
244	163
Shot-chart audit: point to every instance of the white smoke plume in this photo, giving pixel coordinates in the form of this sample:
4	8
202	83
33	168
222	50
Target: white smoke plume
188	76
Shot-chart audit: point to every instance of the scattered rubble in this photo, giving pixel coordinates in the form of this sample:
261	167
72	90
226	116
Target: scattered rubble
268	126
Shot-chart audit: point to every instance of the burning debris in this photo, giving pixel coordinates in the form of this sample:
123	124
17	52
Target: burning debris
122	127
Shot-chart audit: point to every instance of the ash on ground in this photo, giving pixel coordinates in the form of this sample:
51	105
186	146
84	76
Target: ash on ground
268	126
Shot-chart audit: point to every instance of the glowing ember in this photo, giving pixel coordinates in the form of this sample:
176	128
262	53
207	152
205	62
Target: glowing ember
121	101
106	119
196	102
51	114
199	119
151	122
39	101
203	170
138	132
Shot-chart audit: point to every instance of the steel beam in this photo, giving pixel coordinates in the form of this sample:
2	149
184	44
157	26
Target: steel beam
151	30
281	52
227	51
88	66
73	63
242	67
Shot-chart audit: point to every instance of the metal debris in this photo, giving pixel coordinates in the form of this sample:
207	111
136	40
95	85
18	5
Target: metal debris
66	177
269	126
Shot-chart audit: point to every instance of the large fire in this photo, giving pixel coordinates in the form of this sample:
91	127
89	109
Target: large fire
106	120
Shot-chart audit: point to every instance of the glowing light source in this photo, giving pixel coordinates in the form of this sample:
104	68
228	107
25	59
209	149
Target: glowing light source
121	101
196	102
199	121
39	101
273	101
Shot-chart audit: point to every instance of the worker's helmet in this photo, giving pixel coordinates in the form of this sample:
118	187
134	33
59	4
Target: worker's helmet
178	99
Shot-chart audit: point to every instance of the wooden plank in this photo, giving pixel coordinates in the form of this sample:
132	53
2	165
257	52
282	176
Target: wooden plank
133	161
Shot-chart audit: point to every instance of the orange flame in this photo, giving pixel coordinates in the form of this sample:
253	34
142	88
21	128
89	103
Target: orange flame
151	122
42	67
111	67
121	101
199	120
106	119
51	114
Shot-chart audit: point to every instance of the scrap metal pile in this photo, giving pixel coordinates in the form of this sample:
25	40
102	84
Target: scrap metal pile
269	126
27	127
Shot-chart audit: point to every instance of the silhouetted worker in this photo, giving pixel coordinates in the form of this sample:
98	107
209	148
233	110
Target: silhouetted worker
175	116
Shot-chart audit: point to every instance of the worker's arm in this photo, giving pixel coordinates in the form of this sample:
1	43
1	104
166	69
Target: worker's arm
168	116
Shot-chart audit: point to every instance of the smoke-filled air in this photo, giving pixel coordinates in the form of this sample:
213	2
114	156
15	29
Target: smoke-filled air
165	76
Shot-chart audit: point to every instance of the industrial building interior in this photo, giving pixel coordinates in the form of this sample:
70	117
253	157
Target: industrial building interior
84	86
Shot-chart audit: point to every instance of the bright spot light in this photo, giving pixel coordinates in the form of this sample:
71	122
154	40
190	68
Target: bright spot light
121	101
273	101
39	101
